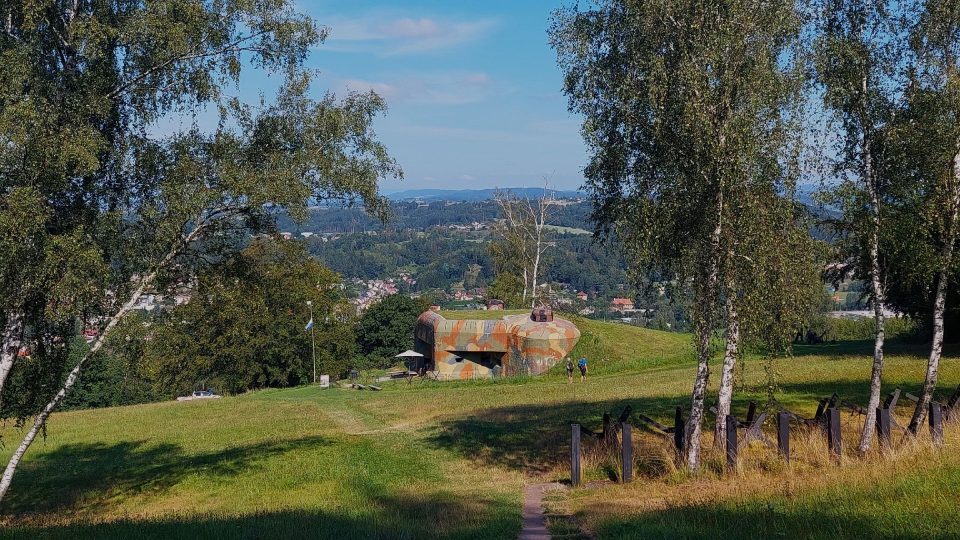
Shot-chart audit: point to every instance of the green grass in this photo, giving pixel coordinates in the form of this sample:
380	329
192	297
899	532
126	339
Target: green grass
610	347
428	459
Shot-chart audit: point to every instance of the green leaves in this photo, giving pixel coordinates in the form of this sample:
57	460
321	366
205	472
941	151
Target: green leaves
691	117
106	200
386	328
243	327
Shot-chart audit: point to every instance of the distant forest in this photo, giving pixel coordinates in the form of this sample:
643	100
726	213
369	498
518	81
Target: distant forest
440	258
411	215
418	240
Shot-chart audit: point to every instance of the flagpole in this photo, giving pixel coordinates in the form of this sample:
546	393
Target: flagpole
313	342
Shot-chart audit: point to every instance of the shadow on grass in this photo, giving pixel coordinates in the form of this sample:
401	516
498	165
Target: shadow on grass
536	438
865	348
80	474
804	396
751	520
384	517
54	485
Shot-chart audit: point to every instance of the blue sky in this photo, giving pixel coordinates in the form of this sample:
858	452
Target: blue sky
473	88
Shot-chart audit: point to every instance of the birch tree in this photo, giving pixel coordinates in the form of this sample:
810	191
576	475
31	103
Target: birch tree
81	85
858	61
523	230
932	129
84	84
684	110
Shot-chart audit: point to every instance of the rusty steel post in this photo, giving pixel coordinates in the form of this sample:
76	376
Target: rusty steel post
783	435
575	454
936	423
731	442
834	442
626	453
883	427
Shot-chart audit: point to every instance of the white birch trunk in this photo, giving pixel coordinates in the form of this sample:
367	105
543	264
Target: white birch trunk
71	379
526	282
524	233
725	395
41	418
694	429
536	268
939	306
12	339
876	374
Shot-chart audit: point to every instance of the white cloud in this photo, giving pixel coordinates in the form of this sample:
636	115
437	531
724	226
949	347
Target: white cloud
473	134
385	90
478	79
467	177
411	28
445	88
401	35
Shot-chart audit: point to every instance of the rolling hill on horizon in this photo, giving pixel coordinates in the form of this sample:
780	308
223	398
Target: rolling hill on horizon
475	194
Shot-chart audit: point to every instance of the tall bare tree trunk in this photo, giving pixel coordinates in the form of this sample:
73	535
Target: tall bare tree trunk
694	430
725	394
524	232
939	306
536	270
866	436
526	282
539	223
12	339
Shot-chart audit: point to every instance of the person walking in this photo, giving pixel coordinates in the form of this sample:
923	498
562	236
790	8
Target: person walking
569	371
582	364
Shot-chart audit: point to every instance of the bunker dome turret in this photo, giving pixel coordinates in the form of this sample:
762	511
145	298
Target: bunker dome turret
528	344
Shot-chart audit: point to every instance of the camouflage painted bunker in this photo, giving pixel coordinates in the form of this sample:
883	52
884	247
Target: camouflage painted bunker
516	344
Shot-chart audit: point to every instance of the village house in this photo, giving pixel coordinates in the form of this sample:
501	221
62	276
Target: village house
621	305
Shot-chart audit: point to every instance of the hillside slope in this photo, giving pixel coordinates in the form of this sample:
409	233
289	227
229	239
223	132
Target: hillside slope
610	347
429	459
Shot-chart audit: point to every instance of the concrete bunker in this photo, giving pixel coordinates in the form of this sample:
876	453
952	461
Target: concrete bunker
513	345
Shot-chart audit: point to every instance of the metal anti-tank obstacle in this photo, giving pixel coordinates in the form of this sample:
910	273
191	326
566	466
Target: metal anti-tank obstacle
618	436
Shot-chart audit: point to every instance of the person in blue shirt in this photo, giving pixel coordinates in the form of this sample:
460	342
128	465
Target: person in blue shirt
582	364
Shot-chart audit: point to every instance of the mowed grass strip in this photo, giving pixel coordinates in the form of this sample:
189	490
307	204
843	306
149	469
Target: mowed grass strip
425	459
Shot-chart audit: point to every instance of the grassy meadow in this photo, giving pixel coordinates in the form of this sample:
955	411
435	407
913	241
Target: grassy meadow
428	459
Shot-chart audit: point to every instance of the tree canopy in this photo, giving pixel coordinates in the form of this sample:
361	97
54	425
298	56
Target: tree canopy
688	113
243	327
82	88
386	329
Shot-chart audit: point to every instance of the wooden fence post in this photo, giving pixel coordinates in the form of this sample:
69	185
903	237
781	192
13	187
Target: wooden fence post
575	454
783	435
883	427
626	453
833	432
731	443
679	430
936	423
